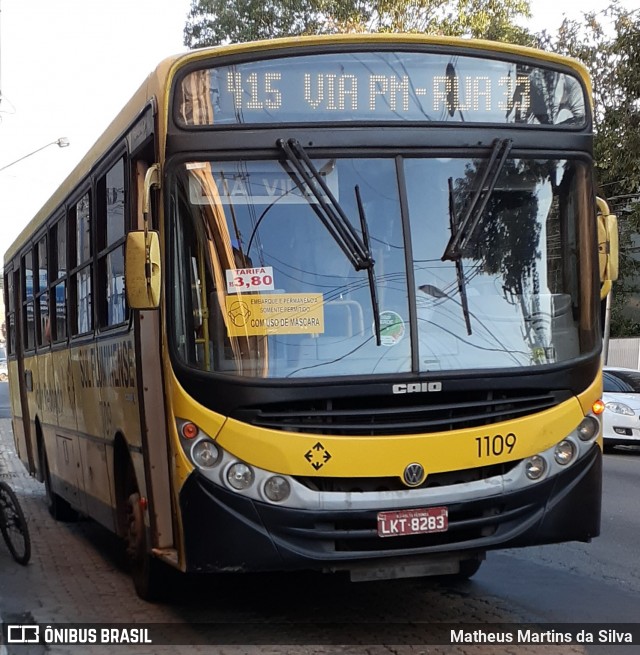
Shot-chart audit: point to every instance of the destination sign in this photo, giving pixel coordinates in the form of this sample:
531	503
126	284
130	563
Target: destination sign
380	86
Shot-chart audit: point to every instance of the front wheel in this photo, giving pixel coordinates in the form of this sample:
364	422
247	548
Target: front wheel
13	525
146	571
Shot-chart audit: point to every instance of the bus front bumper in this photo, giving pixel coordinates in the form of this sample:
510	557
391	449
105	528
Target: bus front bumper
225	531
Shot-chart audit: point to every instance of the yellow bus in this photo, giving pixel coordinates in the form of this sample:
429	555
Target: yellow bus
325	303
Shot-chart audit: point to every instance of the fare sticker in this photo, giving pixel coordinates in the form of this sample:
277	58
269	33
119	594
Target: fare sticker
249	280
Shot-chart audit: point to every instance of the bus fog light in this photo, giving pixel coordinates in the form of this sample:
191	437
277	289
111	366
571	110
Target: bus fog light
240	476
564	452
535	467
205	454
588	428
277	488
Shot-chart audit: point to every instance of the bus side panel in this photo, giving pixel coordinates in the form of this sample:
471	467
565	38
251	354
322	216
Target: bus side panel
59	439
119	414
63	380
16	413
87	374
34	387
66	471
48	396
98	483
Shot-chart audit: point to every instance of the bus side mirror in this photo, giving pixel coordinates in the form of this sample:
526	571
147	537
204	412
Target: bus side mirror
142	269
607	246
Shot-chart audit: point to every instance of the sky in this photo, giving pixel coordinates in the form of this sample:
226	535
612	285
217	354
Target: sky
68	66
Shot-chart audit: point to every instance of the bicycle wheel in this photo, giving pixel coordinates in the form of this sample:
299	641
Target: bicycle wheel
13	525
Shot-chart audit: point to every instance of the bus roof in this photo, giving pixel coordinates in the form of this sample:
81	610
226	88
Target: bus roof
157	85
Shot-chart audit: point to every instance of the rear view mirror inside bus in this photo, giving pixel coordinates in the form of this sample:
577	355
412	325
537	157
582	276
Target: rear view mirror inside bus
142	269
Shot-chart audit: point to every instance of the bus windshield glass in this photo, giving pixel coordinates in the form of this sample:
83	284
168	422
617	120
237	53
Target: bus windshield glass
383	86
261	288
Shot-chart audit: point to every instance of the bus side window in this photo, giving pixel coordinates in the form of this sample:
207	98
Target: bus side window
28	305
111	215
58	275
43	332
81	263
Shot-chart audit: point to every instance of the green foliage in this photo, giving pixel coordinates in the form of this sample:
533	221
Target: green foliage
608	43
212	22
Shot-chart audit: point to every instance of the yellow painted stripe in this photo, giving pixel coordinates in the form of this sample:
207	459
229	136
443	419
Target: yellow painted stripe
381	456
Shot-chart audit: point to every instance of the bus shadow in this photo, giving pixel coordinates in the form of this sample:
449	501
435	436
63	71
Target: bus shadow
299	607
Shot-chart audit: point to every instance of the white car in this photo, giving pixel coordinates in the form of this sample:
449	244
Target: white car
621	417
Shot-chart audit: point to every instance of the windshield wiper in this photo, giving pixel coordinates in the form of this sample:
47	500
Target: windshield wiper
370	272
326	207
357	249
462	283
469	221
439	294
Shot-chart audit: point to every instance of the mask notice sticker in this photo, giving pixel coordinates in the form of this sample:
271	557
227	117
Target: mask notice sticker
274	313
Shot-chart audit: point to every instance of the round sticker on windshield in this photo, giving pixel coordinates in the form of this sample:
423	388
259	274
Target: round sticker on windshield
391	328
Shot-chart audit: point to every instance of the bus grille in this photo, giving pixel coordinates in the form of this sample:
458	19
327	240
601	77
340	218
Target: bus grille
469	523
444	479
402	414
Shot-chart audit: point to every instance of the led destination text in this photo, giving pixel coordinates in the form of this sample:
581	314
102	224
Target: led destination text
380	93
380	86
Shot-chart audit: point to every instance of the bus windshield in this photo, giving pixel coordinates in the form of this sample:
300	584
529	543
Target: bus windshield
261	288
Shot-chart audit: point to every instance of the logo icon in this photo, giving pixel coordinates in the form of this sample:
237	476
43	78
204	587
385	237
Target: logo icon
23	634
413	474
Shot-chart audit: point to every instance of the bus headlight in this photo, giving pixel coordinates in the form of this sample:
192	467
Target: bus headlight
205	454
564	452
240	476
588	428
277	488
535	467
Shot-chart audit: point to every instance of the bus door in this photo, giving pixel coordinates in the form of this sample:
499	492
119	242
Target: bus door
25	374
154	430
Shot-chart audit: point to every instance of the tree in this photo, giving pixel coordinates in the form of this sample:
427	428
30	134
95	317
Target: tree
212	22
608	43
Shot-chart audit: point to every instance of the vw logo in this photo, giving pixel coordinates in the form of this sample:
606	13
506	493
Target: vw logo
413	474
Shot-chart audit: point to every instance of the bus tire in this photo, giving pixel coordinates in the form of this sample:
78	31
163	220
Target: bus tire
58	507
146	570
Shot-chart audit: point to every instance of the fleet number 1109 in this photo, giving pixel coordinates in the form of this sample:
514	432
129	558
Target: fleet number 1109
496	445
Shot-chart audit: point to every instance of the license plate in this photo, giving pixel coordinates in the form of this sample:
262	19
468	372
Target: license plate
413	521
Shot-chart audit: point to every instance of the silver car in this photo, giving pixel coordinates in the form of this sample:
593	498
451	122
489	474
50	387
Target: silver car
621	417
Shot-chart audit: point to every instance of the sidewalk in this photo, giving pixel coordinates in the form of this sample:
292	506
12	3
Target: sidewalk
12	470
74	576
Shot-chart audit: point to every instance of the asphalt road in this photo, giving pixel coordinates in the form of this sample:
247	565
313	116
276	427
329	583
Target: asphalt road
599	581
